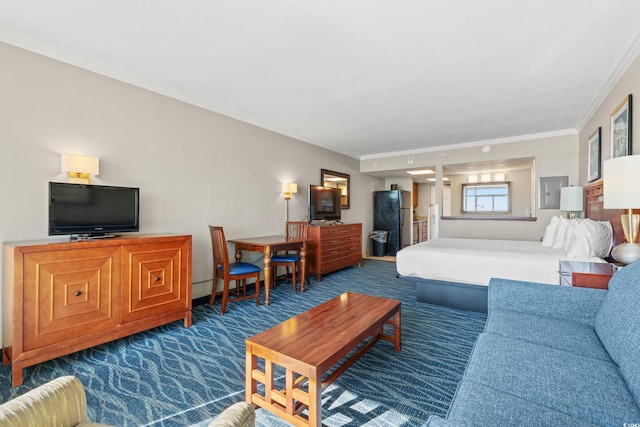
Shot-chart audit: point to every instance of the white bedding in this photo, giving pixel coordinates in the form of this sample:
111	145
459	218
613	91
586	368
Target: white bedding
476	261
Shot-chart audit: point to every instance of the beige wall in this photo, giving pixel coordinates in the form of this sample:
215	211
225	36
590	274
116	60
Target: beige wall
629	83
194	167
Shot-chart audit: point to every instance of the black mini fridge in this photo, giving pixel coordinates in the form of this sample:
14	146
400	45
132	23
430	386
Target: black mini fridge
392	213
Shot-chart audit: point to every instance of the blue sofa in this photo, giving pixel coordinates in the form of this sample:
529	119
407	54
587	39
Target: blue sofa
554	355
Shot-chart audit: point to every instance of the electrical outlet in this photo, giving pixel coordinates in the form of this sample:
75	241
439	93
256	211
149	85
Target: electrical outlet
410	160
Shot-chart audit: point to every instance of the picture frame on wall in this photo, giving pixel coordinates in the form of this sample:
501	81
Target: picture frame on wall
621	129
595	152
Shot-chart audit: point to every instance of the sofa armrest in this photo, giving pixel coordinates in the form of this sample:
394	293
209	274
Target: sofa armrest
58	403
239	414
563	302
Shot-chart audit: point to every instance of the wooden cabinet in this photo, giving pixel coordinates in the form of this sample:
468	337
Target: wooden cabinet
62	297
332	247
422	231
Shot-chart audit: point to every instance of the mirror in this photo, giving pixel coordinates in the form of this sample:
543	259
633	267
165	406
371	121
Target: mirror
337	180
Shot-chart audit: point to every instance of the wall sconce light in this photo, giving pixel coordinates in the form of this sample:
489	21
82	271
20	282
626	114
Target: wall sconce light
571	200
79	168
289	188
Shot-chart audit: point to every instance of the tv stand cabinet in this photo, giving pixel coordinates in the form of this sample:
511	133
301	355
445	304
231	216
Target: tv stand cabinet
62	297
332	247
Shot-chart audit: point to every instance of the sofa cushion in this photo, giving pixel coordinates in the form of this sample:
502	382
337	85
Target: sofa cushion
619	312
630	362
583	387
477	404
575	337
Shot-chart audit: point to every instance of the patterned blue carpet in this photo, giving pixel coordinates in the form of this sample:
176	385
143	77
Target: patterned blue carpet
176	376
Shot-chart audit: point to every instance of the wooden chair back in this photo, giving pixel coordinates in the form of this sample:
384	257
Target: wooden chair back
219	245
296	229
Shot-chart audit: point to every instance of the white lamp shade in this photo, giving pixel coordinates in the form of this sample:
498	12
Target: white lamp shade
79	164
621	182
290	187
571	199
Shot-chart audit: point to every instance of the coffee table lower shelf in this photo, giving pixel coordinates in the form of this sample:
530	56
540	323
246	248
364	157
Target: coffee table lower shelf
307	350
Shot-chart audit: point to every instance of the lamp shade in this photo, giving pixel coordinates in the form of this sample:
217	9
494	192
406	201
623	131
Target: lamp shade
621	176
79	164
571	199
290	187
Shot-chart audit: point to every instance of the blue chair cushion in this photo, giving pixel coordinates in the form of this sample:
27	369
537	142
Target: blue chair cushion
241	268
285	258
575	337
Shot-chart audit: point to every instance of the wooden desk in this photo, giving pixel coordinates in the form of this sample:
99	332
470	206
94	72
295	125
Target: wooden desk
308	346
268	245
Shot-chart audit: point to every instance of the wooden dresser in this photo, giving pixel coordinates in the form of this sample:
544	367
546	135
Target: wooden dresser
62	297
333	247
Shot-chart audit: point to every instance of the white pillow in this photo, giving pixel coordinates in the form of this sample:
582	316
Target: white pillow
547	240
603	240
568	235
558	236
590	239
578	245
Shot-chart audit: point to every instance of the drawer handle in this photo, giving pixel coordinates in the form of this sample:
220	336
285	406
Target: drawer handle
78	293
158	279
334	252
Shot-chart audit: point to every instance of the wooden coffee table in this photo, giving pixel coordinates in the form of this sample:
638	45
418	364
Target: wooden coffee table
308	345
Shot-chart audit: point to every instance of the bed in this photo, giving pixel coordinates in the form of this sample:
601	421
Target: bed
455	272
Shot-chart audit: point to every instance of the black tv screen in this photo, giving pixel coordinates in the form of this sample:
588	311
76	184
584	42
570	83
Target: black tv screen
324	203
92	209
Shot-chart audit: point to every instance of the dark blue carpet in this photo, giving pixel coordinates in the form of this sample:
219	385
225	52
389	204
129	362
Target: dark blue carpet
176	376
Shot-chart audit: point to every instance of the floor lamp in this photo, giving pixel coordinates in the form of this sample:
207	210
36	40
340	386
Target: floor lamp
621	178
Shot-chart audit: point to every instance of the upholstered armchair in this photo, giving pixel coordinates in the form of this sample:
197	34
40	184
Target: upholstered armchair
62	402
240	414
58	403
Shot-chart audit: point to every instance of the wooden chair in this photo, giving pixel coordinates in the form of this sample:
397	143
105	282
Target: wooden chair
293	229
238	271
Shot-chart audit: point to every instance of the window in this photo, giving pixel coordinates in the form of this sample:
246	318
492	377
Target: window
486	198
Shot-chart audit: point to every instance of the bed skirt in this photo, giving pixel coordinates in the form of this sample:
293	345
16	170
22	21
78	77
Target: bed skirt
462	296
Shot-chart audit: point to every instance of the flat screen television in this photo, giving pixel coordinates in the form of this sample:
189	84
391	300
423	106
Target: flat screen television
92	210
324	204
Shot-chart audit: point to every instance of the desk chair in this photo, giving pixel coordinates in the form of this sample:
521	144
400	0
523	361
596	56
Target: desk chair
238	271
293	229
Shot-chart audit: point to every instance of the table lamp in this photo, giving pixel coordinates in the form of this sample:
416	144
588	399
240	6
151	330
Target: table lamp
621	180
571	200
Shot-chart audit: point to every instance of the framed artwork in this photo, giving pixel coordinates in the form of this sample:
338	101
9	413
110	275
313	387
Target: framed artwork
594	163
621	129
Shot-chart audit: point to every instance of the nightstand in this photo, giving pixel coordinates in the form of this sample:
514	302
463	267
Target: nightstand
585	274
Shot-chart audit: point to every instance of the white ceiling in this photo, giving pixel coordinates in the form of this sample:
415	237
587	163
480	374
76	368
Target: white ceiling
361	77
